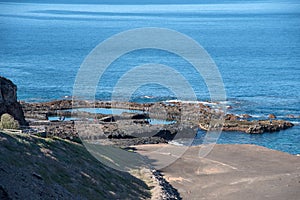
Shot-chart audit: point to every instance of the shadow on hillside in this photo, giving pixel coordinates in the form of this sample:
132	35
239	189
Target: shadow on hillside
33	167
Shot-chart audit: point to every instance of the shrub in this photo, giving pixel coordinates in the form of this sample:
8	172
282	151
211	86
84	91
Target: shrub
8	122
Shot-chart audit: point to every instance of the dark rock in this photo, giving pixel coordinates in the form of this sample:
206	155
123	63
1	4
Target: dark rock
267	126
246	116
136	125
8	101
229	107
231	117
108	119
256	127
169	190
291	116
3	194
272	116
165	134
140	116
137	141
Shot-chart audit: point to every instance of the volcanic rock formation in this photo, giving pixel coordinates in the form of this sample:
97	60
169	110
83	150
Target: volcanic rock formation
8	101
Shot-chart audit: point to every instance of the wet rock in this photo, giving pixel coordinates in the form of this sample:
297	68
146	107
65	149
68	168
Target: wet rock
165	134
140	116
189	116
231	117
108	119
246	116
267	126
291	116
229	107
272	116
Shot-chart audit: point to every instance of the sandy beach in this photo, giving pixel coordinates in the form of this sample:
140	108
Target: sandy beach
230	172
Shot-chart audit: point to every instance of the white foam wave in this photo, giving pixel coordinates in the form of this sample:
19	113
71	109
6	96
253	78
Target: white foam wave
176	143
191	102
148	97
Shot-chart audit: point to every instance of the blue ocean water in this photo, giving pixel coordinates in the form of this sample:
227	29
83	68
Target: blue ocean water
256	46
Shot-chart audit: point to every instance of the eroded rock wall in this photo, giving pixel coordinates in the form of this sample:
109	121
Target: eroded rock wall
8	100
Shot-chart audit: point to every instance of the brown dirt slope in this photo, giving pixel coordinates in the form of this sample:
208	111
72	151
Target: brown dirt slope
229	172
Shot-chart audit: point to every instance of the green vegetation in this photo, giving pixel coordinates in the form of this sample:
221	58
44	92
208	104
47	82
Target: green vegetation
8	122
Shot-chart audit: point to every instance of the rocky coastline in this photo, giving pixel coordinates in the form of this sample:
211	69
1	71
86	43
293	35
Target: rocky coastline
134	127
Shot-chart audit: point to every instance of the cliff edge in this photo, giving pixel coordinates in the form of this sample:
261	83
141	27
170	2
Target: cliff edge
8	101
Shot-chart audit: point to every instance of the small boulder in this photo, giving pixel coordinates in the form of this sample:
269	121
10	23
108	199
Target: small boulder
246	116
231	117
291	116
272	116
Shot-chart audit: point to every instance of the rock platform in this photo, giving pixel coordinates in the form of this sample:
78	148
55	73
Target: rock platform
188	117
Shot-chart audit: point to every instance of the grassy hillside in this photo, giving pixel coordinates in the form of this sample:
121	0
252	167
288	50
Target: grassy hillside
42	168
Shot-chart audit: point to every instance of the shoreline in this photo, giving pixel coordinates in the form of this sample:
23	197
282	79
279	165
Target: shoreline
196	113
127	129
227	172
226	167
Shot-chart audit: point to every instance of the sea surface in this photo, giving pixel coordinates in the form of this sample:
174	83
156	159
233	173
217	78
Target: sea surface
255	44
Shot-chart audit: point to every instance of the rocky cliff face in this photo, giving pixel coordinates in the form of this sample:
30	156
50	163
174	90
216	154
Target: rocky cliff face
8	100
